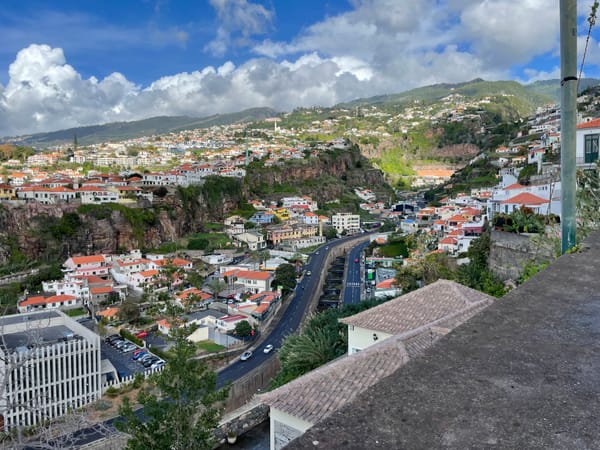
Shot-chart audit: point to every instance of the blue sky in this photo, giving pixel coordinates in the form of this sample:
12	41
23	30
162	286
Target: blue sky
78	62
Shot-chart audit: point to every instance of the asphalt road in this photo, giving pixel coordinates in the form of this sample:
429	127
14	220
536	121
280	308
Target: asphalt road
354	289
288	324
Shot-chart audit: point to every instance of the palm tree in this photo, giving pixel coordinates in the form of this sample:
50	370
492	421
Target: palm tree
216	286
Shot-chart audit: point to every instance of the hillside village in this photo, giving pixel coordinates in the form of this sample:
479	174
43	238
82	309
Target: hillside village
216	291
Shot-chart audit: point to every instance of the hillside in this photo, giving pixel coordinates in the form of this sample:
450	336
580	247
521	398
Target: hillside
551	88
128	130
524	99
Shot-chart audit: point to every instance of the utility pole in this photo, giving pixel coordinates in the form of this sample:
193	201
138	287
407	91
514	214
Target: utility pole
568	119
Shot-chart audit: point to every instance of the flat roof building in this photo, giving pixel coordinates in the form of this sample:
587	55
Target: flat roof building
49	364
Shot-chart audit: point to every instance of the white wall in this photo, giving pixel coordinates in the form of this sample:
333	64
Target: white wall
284	428
361	338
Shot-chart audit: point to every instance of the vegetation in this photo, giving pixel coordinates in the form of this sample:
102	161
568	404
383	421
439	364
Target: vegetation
179	405
323	340
475	274
285	276
243	328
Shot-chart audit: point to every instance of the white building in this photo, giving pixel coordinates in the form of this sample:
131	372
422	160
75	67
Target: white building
347	222
49	364
587	143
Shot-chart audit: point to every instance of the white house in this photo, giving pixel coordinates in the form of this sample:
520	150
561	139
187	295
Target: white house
587	143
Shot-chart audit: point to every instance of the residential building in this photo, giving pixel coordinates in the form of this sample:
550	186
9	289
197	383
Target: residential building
418	315
381	340
50	365
587	143
346	222
253	239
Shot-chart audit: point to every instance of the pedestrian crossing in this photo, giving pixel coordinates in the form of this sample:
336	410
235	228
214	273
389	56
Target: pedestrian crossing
353	284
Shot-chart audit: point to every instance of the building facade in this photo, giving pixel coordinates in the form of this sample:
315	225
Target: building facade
49	365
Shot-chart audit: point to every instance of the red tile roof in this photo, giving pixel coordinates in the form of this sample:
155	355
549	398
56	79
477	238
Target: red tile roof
594	123
88	259
525	198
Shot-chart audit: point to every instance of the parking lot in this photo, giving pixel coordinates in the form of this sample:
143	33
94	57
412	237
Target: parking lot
123	362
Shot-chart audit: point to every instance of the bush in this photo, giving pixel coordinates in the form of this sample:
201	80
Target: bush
127	335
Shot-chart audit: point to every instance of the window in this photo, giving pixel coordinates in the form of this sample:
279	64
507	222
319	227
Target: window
591	148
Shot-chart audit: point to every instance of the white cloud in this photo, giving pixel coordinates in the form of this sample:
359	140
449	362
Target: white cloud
239	20
378	47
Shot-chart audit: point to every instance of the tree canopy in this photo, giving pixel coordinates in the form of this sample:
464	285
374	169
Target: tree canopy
179	407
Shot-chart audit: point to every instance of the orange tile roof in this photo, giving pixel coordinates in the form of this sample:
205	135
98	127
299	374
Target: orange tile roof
253	275
101	290
261	308
525	198
594	123
40	300
108	312
386	284
148	273
88	259
514	186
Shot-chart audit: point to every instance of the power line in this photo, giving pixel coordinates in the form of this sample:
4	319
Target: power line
592	21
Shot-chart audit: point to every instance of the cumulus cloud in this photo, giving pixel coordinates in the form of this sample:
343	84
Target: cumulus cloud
377	47
46	93
239	20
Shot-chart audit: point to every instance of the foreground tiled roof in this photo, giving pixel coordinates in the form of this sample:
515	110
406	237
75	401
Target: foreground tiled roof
418	308
324	390
522	374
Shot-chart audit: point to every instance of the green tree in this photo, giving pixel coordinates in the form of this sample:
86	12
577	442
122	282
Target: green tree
182	415
243	328
129	311
216	286
285	275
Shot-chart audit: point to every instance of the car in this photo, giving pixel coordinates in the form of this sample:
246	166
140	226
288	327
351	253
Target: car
128	348
149	362
111	337
142	334
356	260
158	364
308	273
139	350
268	348
139	355
316	253
246	355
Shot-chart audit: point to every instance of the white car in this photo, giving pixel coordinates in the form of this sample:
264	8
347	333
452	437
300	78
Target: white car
246	355
268	348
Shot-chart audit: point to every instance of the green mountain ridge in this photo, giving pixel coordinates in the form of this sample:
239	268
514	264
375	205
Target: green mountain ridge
129	130
511	99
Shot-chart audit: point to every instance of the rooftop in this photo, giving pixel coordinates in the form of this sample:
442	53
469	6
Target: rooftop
419	308
521	374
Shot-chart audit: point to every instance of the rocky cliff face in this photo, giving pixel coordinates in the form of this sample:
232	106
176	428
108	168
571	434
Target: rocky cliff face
50	233
325	178
35	230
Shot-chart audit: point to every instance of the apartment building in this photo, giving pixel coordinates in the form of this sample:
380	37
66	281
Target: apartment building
49	365
347	222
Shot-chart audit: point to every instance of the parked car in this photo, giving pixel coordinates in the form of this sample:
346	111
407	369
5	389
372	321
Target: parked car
158	364
111	338
268	348
146	358
246	355
142	334
128	347
138	351
139	355
150	361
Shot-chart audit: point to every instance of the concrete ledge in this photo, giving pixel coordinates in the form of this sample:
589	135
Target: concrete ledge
524	373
